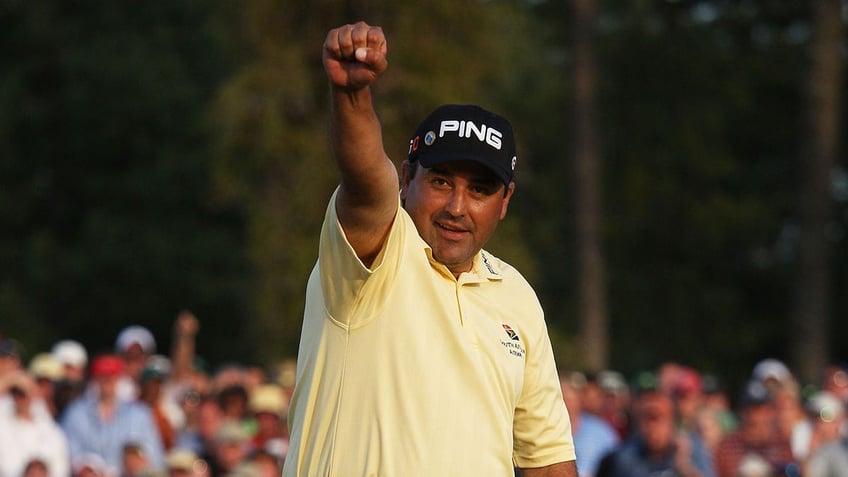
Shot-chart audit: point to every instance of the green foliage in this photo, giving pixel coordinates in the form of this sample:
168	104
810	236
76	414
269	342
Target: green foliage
106	214
167	155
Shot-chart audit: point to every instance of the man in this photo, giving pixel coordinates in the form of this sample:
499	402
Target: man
757	436
594	437
657	447
28	434
822	438
421	354
100	423
268	407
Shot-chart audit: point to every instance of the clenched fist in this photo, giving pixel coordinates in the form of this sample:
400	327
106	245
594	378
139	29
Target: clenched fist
355	55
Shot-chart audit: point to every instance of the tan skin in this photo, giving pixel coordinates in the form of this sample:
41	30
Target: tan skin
455	206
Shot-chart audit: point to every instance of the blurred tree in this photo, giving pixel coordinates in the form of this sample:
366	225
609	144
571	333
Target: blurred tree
115	118
700	101
700	112
810	323
105	212
588	209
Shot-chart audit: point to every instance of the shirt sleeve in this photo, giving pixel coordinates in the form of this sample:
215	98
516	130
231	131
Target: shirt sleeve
541	427
144	426
343	275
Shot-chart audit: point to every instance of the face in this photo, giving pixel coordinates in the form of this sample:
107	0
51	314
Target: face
456	207
108	386
758	424
656	421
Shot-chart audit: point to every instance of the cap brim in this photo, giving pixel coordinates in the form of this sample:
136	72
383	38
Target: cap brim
430	160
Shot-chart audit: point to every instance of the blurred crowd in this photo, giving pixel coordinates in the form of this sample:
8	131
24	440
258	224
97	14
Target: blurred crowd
677	421
136	412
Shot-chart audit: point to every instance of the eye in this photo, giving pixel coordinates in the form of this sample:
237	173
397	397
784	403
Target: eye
483	189
438	181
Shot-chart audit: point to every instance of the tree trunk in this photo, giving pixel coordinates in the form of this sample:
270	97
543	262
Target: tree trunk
592	310
811	318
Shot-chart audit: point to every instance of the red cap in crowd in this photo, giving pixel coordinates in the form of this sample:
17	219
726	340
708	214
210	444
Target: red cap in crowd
107	365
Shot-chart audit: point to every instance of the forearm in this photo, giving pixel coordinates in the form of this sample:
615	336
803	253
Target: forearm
562	469
182	356
368	190
356	139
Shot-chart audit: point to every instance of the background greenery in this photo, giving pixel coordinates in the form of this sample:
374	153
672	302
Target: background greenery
163	155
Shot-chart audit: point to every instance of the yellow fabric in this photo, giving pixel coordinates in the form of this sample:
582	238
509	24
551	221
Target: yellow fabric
405	371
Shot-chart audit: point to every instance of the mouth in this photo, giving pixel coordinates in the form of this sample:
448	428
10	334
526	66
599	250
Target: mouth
451	231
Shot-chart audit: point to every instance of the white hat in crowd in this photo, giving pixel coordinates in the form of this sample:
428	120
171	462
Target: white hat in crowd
70	353
181	459
45	365
771	368
135	334
826	406
268	398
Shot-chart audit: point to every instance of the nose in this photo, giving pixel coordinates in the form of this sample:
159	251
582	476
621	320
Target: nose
455	205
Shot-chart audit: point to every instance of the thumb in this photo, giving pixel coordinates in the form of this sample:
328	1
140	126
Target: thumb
373	58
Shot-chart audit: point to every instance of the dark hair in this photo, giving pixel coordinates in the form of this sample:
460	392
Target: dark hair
412	169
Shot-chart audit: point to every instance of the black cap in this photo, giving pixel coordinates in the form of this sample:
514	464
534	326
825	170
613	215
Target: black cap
462	131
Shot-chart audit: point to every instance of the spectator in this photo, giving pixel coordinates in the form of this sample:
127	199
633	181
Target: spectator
99	423
202	425
616	400
90	465
266	464
830	460
592	396
684	385
758	434
135	462
594	437
835	380
10	356
708	426
788	407
268	406
657	448
151	395
185	463
47	371
187	375
135	344
231	448
36	468
826	416
716	398
233	401
27	434
74	358
772	373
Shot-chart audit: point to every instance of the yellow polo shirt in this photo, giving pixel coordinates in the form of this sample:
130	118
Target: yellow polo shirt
405	371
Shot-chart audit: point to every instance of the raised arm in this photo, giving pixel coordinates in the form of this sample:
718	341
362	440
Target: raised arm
354	57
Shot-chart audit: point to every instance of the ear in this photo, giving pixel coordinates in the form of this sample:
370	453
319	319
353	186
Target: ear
505	203
405	178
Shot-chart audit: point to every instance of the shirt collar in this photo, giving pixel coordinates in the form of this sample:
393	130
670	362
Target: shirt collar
483	268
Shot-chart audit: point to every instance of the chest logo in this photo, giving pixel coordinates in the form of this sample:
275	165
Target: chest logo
513	344
510	332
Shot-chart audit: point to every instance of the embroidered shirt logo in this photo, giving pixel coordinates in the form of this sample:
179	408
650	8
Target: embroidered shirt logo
488	265
510	332
513	344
